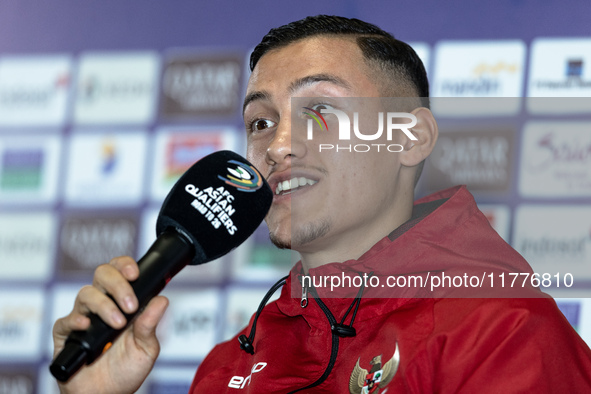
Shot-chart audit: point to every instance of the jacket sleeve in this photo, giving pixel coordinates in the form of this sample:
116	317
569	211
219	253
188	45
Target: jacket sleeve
509	346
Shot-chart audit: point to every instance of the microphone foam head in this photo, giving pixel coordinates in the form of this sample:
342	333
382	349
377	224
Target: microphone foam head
217	203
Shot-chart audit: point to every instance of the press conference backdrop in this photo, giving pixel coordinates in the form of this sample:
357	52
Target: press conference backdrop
103	105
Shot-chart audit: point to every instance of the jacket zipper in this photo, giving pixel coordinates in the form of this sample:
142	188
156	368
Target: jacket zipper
335	344
304	301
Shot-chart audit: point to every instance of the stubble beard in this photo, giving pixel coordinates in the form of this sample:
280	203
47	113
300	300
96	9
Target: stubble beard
302	236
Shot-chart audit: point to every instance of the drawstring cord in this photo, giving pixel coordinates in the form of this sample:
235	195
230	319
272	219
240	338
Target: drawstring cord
246	342
343	330
339	329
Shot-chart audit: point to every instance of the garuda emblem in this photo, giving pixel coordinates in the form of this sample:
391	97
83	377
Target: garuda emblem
363	381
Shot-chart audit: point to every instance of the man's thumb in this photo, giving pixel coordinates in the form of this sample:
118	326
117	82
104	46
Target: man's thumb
144	327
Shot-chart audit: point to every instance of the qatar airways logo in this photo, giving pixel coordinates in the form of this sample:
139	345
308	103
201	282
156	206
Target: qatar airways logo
392	121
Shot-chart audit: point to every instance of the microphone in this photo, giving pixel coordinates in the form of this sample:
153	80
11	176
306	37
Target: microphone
214	207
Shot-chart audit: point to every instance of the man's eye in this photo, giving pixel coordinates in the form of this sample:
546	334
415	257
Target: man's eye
319	107
261	124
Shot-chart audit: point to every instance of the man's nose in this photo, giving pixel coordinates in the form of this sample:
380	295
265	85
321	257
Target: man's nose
285	145
279	149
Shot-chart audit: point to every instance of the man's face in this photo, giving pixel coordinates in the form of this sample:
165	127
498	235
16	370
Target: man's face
334	198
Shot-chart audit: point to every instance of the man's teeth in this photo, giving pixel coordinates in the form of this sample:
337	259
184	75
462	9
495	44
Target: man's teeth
293	184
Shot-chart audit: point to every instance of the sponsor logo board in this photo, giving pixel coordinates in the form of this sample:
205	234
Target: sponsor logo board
27	245
29	168
177	149
106	168
555	239
199	85
89	239
18	381
189	328
34	90
559	67
482	160
556	159
116	88
21	323
479	69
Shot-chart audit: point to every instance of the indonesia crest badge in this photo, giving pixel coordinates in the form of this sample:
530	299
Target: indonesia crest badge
363	381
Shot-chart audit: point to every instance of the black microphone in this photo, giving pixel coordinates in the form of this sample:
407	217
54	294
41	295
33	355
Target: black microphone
214	207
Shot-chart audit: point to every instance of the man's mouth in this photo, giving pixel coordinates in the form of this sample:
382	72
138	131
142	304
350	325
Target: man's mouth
289	186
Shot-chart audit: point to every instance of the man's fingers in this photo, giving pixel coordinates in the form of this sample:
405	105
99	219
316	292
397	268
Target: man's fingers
127	266
64	326
67	324
91	299
144	327
109	279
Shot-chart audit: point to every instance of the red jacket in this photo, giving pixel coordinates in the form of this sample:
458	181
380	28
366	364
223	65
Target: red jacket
413	342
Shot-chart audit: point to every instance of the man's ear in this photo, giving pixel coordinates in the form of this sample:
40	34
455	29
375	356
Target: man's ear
426	131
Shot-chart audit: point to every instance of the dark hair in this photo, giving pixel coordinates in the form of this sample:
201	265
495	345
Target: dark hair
391	55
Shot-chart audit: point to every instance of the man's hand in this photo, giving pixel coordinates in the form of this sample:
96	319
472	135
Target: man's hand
124	367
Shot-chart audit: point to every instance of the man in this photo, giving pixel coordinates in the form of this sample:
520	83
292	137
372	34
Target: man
351	214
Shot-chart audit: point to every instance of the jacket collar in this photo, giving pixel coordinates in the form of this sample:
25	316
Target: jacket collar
393	254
